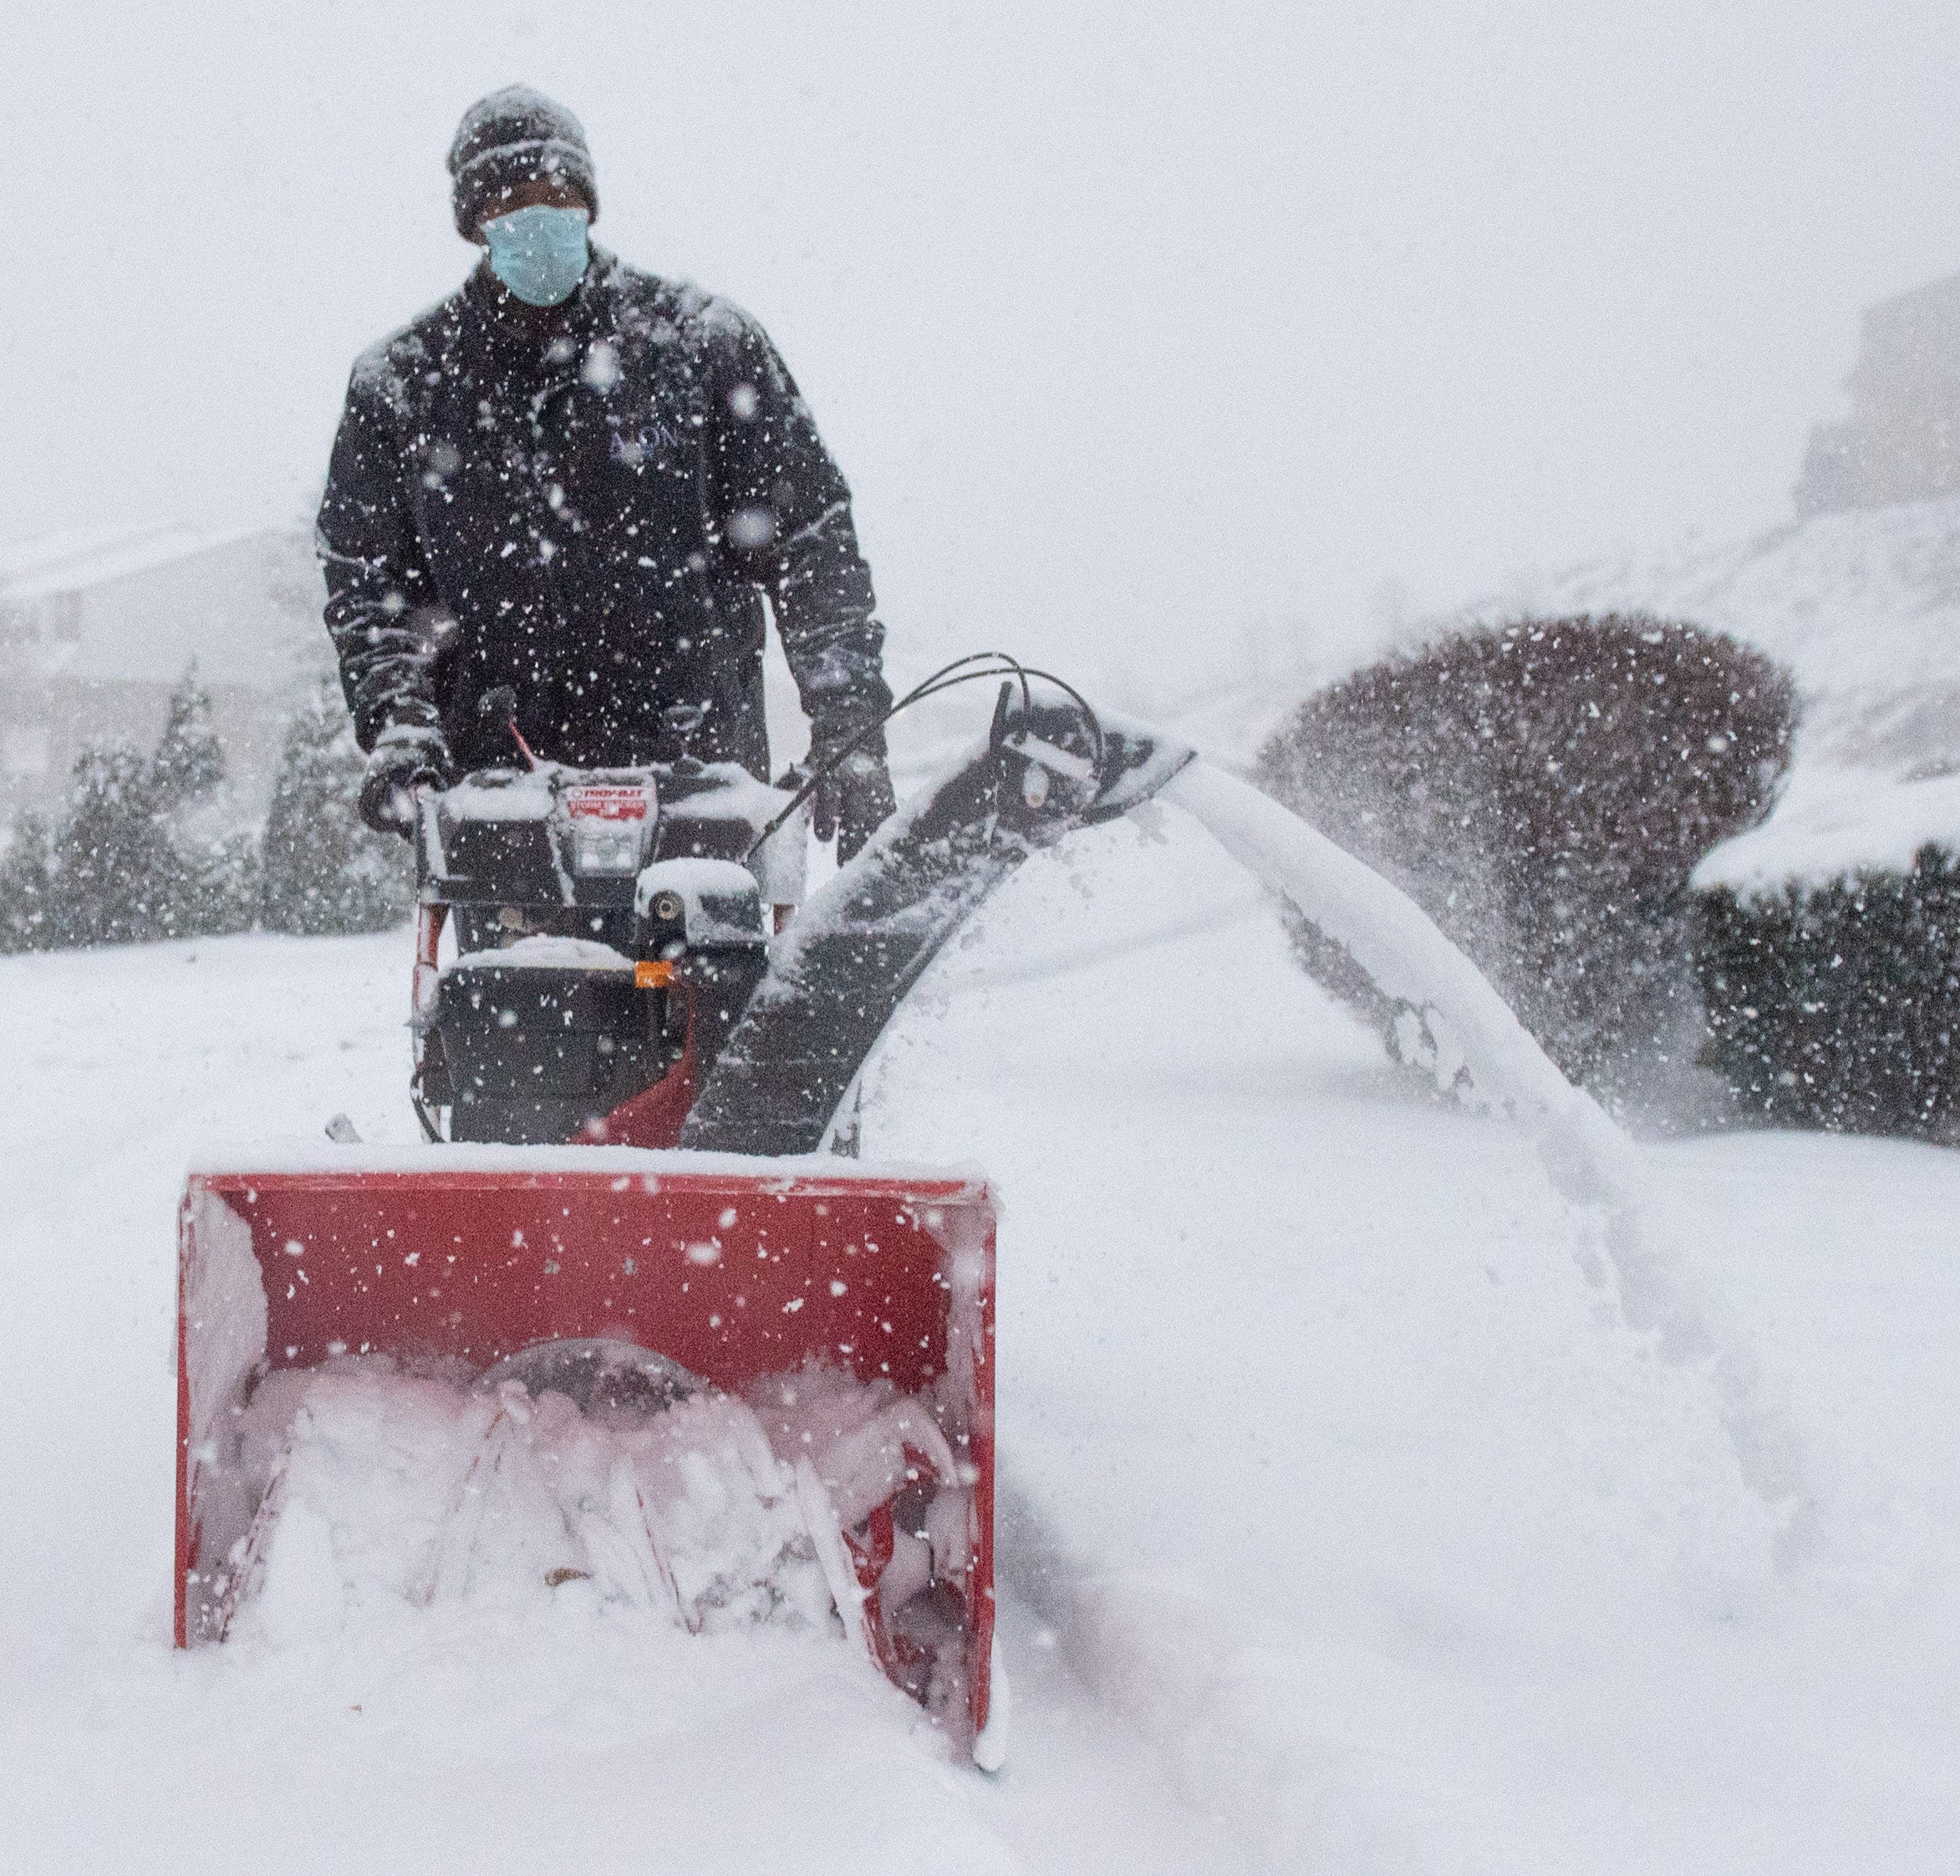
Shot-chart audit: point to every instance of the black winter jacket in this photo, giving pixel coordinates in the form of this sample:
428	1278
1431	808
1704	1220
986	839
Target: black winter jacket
590	515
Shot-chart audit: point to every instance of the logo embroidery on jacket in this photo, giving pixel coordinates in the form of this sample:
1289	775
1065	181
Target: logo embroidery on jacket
633	447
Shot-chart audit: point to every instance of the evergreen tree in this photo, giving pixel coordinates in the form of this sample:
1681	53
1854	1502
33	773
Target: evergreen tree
213	885
27	888
208	880
190	762
136	855
111	867
323	870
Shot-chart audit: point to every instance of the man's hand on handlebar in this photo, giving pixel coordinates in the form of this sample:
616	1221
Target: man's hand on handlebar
853	798
407	756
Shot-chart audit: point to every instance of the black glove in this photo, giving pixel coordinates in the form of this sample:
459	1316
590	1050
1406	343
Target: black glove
853	795
407	755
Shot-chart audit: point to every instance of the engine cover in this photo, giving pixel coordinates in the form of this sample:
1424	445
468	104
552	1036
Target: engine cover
537	1053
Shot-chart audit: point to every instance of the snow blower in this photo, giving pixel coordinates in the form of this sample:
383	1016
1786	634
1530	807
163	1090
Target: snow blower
732	1376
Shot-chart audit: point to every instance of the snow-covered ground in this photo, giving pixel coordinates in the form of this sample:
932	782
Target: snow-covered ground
1347	1528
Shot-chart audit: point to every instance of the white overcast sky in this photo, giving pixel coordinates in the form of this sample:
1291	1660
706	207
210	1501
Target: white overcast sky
1132	325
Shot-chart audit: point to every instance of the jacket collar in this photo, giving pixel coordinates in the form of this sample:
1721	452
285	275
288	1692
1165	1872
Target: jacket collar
547	347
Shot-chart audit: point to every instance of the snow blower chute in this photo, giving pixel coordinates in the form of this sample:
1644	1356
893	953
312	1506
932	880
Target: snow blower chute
740	1380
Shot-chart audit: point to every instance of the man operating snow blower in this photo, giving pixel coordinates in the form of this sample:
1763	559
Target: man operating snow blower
575	482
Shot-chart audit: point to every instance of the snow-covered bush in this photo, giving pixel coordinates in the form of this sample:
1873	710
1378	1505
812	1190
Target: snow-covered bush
1543	791
323	870
135	853
1837	1004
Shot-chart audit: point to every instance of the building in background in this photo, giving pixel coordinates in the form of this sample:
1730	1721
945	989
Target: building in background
96	629
1901	442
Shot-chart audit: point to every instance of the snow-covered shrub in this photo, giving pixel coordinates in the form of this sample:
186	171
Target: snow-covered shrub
1543	791
135	853
1837	1004
323	870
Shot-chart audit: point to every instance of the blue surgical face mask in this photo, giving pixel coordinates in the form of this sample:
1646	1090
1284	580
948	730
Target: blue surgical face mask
539	252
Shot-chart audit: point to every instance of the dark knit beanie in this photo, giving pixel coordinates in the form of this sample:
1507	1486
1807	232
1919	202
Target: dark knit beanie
514	136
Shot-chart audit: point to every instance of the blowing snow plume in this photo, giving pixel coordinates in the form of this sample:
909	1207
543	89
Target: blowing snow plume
1448	1018
1054	765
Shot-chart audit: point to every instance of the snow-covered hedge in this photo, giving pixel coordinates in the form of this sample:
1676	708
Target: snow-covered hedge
1543	790
1835	1003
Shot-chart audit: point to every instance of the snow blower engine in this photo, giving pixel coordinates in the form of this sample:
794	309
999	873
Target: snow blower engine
611	926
